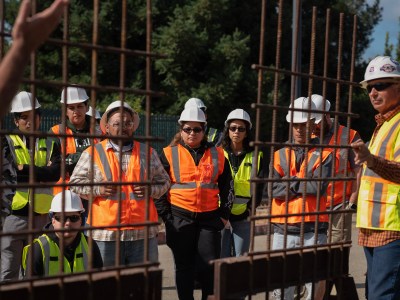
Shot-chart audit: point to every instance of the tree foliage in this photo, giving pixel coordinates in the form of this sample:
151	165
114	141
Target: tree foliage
210	47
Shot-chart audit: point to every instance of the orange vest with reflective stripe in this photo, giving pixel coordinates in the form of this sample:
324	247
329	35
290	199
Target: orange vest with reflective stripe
344	137
194	188
104	211
378	205
295	205
70	148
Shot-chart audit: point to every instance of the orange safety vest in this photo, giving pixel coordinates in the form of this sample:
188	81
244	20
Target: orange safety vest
194	188
295	205
69	149
104	211
344	137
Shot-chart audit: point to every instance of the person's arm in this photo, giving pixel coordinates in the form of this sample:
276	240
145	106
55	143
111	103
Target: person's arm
260	186
37	268
82	174
162	204
28	34
312	186
281	189
159	175
387	169
49	173
226	192
97	260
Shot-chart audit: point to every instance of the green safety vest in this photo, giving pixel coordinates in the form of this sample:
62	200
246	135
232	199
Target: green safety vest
378	198
51	254
241	181
43	151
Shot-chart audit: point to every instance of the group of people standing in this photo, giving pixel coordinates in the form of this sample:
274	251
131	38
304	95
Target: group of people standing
376	165
200	186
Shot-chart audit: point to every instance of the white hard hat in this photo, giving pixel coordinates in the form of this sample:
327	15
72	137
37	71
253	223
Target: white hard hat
238	114
318	100
381	67
301	116
115	105
72	202
23	102
195	102
90	113
192	114
74	95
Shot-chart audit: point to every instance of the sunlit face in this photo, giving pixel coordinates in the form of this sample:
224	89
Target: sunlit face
25	121
68	224
120	124
385	100
76	114
192	139
237	131
300	132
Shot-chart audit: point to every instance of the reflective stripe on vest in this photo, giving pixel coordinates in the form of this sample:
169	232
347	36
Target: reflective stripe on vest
105	211
212	133
295	205
194	188
51	254
241	181
378	199
43	151
69	148
344	137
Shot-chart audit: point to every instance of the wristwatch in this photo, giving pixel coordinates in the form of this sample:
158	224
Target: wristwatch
353	206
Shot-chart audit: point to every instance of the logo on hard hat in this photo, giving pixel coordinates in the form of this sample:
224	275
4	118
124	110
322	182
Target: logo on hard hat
388	68
372	69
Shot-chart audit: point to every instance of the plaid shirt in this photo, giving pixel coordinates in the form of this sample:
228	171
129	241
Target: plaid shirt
389	170
83	173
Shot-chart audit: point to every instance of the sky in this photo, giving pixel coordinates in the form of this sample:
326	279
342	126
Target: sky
389	23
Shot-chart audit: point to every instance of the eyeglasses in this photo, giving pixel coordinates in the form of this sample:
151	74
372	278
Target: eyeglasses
189	130
379	86
72	219
240	129
128	125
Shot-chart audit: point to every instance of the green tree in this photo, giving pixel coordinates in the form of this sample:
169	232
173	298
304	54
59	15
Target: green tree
210	47
388	47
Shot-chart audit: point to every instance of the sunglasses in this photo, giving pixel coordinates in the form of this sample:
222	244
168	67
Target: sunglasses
72	219
379	86
240	129
189	130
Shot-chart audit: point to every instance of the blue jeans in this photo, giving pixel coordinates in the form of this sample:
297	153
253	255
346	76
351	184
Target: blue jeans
237	236
293	241
131	252
383	271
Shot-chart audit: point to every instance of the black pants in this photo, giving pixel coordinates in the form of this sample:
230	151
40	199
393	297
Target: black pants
194	243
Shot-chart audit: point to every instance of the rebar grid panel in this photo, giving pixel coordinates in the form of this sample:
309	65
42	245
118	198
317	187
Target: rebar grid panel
264	271
142	280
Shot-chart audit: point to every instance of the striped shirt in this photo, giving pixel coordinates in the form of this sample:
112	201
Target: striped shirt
83	173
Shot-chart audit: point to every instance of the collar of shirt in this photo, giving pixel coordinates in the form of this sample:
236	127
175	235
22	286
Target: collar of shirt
83	130
116	148
380	119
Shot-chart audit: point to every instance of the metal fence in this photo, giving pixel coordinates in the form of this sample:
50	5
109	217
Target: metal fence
164	127
260	272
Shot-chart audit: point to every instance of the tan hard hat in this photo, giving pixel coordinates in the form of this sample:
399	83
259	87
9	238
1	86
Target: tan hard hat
117	104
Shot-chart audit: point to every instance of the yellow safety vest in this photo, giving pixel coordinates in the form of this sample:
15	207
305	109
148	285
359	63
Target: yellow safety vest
378	199
43	151
51	254
241	181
